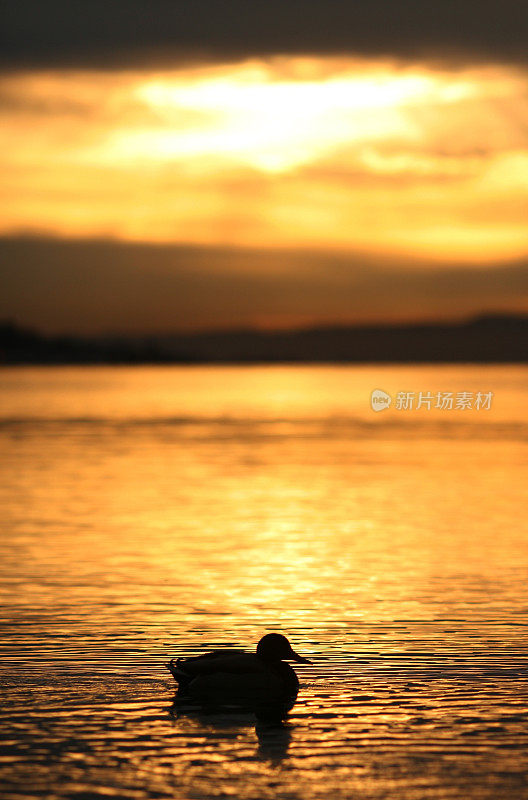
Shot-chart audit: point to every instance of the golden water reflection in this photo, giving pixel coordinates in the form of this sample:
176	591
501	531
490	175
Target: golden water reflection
392	552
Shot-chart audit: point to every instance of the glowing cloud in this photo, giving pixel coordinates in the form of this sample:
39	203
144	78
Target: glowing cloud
319	152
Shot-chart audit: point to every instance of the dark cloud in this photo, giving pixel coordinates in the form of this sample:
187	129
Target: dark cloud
128	33
89	286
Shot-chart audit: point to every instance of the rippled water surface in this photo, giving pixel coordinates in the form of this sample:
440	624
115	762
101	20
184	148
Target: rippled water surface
150	512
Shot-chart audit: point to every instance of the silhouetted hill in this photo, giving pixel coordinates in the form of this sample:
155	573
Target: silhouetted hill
488	338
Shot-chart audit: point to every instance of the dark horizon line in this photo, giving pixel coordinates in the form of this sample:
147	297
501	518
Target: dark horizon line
306	328
486	338
440	321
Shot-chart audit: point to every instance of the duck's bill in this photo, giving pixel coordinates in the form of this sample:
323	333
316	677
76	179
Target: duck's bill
300	659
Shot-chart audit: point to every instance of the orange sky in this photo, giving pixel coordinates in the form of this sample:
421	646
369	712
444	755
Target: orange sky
391	159
325	152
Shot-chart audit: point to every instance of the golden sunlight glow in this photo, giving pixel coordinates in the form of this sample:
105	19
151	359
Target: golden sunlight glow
275	126
317	152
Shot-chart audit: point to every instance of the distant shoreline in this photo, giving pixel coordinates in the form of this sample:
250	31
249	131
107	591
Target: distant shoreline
490	338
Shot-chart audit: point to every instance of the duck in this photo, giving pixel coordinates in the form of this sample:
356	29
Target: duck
236	676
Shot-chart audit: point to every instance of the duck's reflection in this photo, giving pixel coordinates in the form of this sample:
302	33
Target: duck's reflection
272	730
273	740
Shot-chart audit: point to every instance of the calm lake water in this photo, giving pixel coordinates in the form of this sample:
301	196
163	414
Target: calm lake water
156	511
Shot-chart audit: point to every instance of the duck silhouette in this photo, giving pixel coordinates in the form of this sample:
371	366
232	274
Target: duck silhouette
235	676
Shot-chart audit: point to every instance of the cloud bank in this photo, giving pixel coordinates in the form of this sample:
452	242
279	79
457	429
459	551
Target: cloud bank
97	286
131	33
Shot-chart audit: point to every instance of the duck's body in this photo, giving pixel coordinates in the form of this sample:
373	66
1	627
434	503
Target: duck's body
231	675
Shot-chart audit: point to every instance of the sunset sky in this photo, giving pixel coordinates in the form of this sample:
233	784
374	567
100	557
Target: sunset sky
170	166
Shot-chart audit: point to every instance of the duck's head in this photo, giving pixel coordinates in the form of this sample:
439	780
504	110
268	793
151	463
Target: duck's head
276	647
